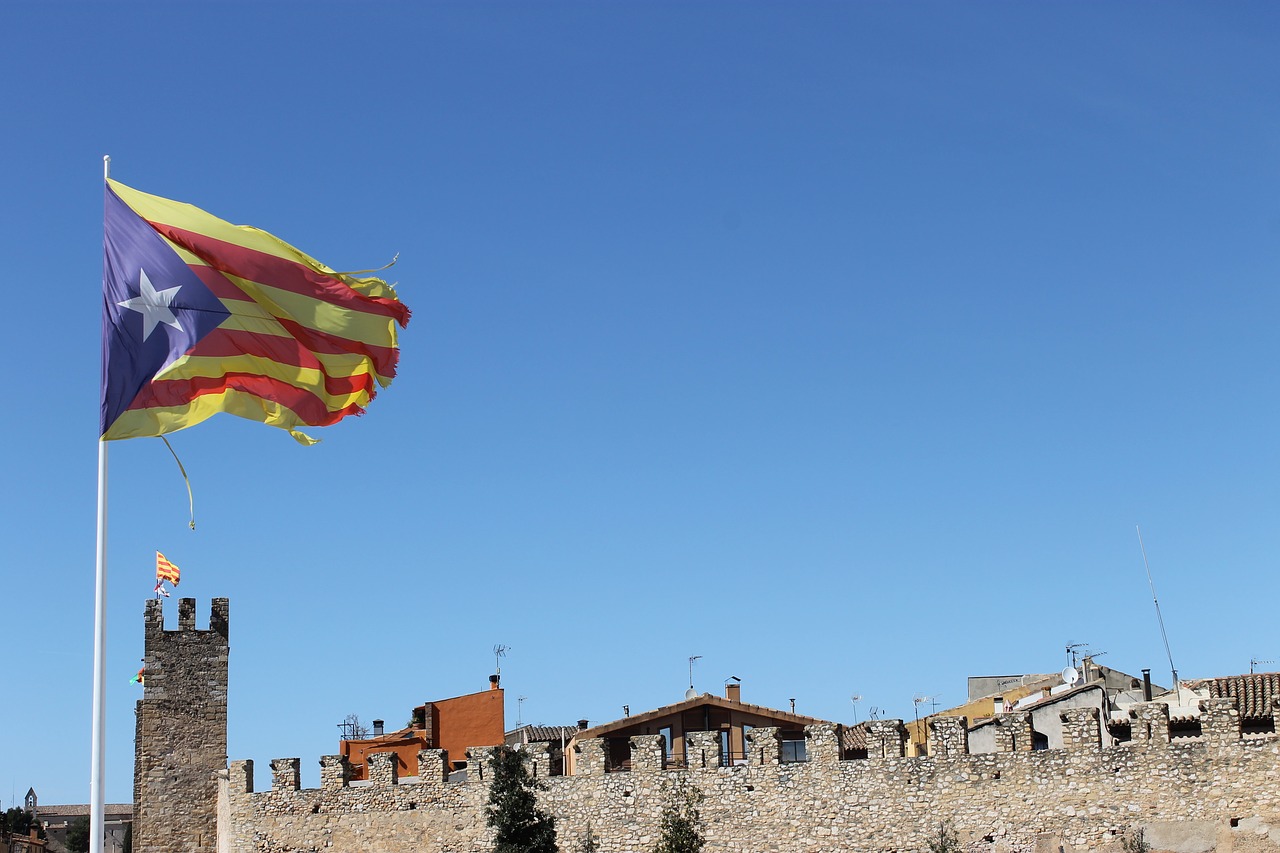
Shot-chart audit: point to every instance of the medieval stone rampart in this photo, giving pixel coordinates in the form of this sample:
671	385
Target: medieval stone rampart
181	731
1222	788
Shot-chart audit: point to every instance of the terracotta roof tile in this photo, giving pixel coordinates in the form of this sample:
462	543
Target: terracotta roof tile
1253	693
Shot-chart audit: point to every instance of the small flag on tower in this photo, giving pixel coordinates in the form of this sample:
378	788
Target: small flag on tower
140	678
166	571
160	590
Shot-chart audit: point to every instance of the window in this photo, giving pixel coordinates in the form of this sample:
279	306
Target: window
794	750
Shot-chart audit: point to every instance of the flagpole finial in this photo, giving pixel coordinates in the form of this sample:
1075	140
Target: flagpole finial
106	166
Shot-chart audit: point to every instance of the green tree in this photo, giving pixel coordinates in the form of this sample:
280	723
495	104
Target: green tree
78	835
18	821
519	825
681	826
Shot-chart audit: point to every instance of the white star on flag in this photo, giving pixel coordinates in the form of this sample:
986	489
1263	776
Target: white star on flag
153	305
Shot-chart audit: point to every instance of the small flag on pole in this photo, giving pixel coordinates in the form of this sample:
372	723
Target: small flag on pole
166	571
160	590
140	678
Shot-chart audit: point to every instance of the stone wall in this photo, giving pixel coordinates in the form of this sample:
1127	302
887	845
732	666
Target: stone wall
181	731
1220	792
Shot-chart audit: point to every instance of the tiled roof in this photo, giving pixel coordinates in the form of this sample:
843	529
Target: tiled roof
1253	693
798	720
541	734
853	737
82	810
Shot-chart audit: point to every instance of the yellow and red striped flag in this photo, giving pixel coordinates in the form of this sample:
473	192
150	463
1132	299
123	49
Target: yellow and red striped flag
166	571
201	316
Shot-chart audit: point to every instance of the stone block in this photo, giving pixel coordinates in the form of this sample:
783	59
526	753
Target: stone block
286	774
764	746
335	772
1219	721
433	766
1149	722
590	757
1013	732
702	749
186	614
538	758
648	753
822	743
478	760
886	739
949	736
1080	729
384	769
240	776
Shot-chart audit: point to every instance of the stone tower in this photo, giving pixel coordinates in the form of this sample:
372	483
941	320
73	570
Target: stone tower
181	736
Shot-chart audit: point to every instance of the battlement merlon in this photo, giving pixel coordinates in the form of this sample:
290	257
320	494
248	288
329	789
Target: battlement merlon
950	735
286	774
153	619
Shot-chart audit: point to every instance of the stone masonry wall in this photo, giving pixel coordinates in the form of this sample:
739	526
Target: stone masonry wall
181	731
1224	788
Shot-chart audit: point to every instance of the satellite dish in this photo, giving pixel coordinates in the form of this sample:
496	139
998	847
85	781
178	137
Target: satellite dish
690	693
1070	676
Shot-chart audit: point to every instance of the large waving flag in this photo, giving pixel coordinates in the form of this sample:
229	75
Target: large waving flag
201	316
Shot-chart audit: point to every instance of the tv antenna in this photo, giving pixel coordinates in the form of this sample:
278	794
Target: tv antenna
1073	653
875	712
1253	662
499	652
520	709
855	699
1164	636
690	693
918	700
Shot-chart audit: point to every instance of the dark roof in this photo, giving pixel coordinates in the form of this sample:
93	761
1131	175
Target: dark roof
696	702
82	809
545	734
1253	693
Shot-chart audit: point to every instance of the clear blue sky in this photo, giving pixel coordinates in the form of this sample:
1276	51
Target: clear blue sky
841	344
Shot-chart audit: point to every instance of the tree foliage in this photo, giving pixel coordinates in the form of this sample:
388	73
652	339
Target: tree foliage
18	821
1135	841
946	841
681	826
78	835
519	825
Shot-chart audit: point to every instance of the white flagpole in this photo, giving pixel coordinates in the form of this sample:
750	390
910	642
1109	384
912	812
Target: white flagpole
97	806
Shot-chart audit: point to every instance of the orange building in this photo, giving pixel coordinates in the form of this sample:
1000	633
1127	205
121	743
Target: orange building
476	719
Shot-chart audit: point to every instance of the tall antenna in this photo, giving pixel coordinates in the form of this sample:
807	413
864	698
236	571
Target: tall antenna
690	693
855	699
520	709
499	652
918	700
1253	662
1159	617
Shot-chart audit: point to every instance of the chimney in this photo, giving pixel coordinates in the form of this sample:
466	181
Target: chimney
582	725
998	705
733	691
1146	685
493	681
377	728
